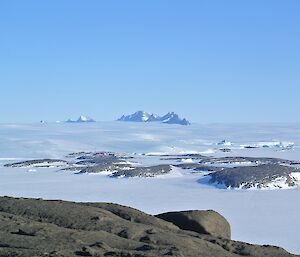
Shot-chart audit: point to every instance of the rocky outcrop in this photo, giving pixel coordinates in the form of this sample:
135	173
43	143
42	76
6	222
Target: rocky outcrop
203	222
42	163
260	176
41	228
225	172
146	172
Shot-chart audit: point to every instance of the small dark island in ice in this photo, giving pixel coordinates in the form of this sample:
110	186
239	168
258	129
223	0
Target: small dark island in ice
224	172
270	176
42	163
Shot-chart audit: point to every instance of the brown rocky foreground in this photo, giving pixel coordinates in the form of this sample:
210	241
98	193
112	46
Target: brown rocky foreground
34	227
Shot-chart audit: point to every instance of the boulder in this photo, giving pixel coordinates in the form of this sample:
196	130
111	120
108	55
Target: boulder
202	222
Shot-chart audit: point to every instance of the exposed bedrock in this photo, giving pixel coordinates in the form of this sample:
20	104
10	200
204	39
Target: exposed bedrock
34	227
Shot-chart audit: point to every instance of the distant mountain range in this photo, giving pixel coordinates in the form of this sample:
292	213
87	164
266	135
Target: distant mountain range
141	116
81	119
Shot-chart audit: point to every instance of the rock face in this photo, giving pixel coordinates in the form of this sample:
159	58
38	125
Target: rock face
203	222
31	227
141	116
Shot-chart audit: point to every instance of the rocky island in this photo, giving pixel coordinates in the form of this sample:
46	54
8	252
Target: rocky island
224	172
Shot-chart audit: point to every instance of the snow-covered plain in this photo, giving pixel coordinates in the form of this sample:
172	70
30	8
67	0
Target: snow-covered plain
256	216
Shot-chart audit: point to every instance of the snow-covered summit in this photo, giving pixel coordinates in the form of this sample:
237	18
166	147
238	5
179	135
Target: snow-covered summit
81	119
173	118
84	119
141	116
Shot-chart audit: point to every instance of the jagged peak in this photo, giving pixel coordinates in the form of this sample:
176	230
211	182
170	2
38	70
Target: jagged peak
142	116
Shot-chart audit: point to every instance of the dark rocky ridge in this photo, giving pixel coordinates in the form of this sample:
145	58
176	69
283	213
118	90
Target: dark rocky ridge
63	229
37	163
151	171
254	176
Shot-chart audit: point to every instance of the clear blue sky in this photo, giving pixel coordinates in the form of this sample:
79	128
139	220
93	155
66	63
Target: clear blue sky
210	61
